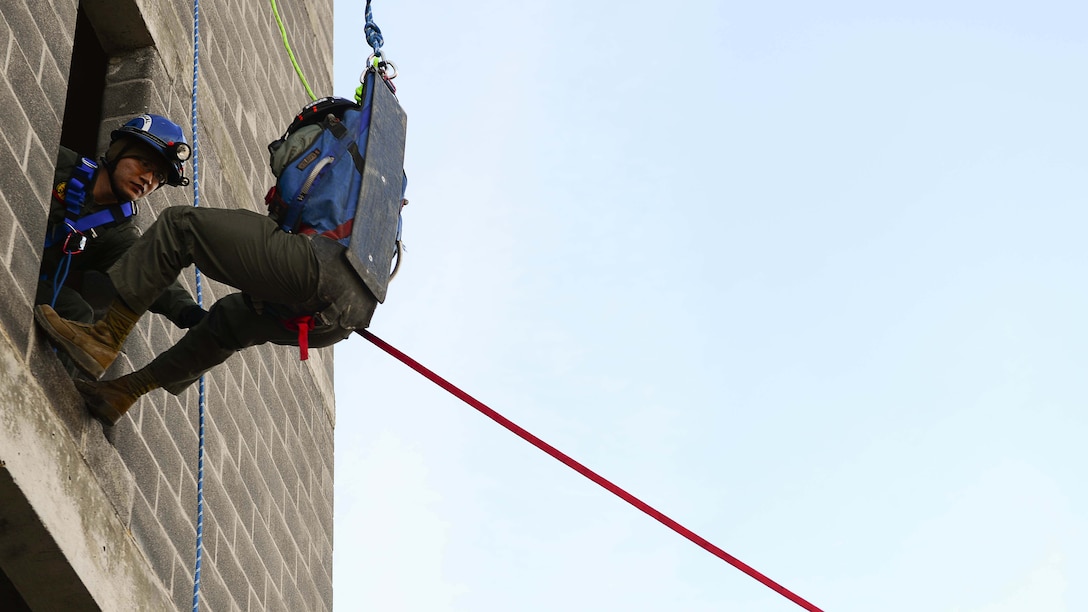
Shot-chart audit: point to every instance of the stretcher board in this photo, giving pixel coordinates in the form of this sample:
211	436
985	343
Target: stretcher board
374	232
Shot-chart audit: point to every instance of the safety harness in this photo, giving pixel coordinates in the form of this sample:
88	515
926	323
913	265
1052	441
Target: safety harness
76	190
72	233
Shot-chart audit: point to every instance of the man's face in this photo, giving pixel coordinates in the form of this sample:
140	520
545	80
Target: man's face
141	171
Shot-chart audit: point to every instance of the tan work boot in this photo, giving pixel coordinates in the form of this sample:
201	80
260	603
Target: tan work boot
92	347
109	401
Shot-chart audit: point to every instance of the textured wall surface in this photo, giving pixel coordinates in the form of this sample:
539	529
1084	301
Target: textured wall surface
109	516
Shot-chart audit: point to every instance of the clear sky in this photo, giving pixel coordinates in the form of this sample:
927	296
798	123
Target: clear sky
807	277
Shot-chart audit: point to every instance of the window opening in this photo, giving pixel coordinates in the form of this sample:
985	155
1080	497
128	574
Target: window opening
86	86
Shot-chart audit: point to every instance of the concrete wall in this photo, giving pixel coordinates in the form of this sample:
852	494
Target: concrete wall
94	519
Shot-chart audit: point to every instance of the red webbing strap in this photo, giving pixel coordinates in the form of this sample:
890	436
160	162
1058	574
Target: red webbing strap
588	473
303	325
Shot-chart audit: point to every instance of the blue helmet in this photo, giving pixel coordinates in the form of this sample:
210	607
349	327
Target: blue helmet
164	136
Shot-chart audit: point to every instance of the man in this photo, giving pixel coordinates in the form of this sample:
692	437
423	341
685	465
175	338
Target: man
297	286
91	215
296	290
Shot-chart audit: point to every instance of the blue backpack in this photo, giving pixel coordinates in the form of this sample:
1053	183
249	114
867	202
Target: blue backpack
334	168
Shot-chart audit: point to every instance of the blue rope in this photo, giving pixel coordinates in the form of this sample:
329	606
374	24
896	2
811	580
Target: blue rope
200	301
61	276
373	32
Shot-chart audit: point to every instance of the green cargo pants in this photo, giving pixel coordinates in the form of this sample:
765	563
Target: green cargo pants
280	275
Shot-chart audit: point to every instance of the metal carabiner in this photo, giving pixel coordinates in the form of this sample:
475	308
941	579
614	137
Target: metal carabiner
381	65
68	239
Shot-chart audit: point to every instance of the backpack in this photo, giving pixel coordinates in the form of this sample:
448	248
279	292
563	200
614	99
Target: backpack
327	184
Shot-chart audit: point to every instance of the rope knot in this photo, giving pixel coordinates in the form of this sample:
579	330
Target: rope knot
372	31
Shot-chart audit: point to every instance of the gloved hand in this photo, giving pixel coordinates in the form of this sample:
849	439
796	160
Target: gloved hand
190	316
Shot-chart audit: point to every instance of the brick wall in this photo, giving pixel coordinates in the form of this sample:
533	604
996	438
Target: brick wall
110	515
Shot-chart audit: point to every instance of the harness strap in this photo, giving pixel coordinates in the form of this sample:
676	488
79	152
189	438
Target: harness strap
104	216
75	191
303	325
83	225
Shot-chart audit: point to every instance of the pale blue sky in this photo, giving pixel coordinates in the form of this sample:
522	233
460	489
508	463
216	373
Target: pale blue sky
806	278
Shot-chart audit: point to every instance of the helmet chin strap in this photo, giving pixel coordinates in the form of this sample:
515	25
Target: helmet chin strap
108	167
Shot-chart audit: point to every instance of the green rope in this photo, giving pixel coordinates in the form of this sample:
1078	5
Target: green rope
290	53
